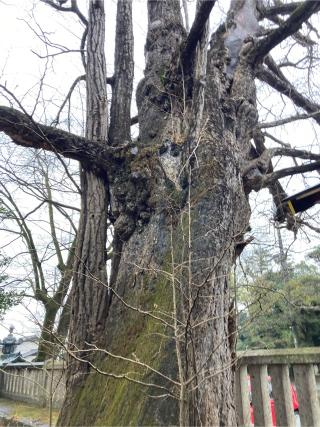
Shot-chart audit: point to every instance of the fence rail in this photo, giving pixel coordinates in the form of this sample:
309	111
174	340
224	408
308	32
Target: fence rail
285	367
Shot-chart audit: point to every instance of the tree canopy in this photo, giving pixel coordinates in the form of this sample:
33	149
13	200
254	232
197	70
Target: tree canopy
277	309
8	297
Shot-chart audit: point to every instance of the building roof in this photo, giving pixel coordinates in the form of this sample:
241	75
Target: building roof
25	351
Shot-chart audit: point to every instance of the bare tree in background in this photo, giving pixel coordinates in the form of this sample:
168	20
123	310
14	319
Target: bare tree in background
34	192
200	150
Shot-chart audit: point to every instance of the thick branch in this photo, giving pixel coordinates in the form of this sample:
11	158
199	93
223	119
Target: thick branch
288	28
286	88
73	8
57	6
263	161
297	36
82	47
275	188
293	152
256	181
282	9
64	320
197	29
26	132
295	170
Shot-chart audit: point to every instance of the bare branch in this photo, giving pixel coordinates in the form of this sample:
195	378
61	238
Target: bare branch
283	86
293	152
288	28
73	354
263	161
51	55
55	240
277	140
288	120
73	8
19	218
307	224
297	36
281	9
295	170
110	81
62	205
94	348
57	6
68	97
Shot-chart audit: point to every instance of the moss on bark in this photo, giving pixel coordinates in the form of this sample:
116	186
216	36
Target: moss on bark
140	337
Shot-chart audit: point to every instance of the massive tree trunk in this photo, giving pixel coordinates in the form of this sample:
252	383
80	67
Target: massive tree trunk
154	344
180	210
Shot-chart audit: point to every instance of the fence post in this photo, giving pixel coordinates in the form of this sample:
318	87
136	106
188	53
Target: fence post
305	382
260	395
242	396
281	391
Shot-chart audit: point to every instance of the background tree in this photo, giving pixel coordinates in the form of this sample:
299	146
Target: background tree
8	298
38	223
278	311
177	199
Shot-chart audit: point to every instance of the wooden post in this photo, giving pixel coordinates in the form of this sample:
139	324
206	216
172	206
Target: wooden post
43	382
20	382
2	382
242	397
307	395
282	395
10	380
260	395
15	381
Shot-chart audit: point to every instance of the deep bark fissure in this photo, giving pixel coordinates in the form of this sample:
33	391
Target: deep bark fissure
90	291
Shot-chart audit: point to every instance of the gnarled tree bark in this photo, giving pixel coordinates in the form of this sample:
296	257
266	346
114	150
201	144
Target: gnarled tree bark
90	296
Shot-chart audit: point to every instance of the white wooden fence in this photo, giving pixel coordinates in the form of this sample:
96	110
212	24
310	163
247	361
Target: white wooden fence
39	383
